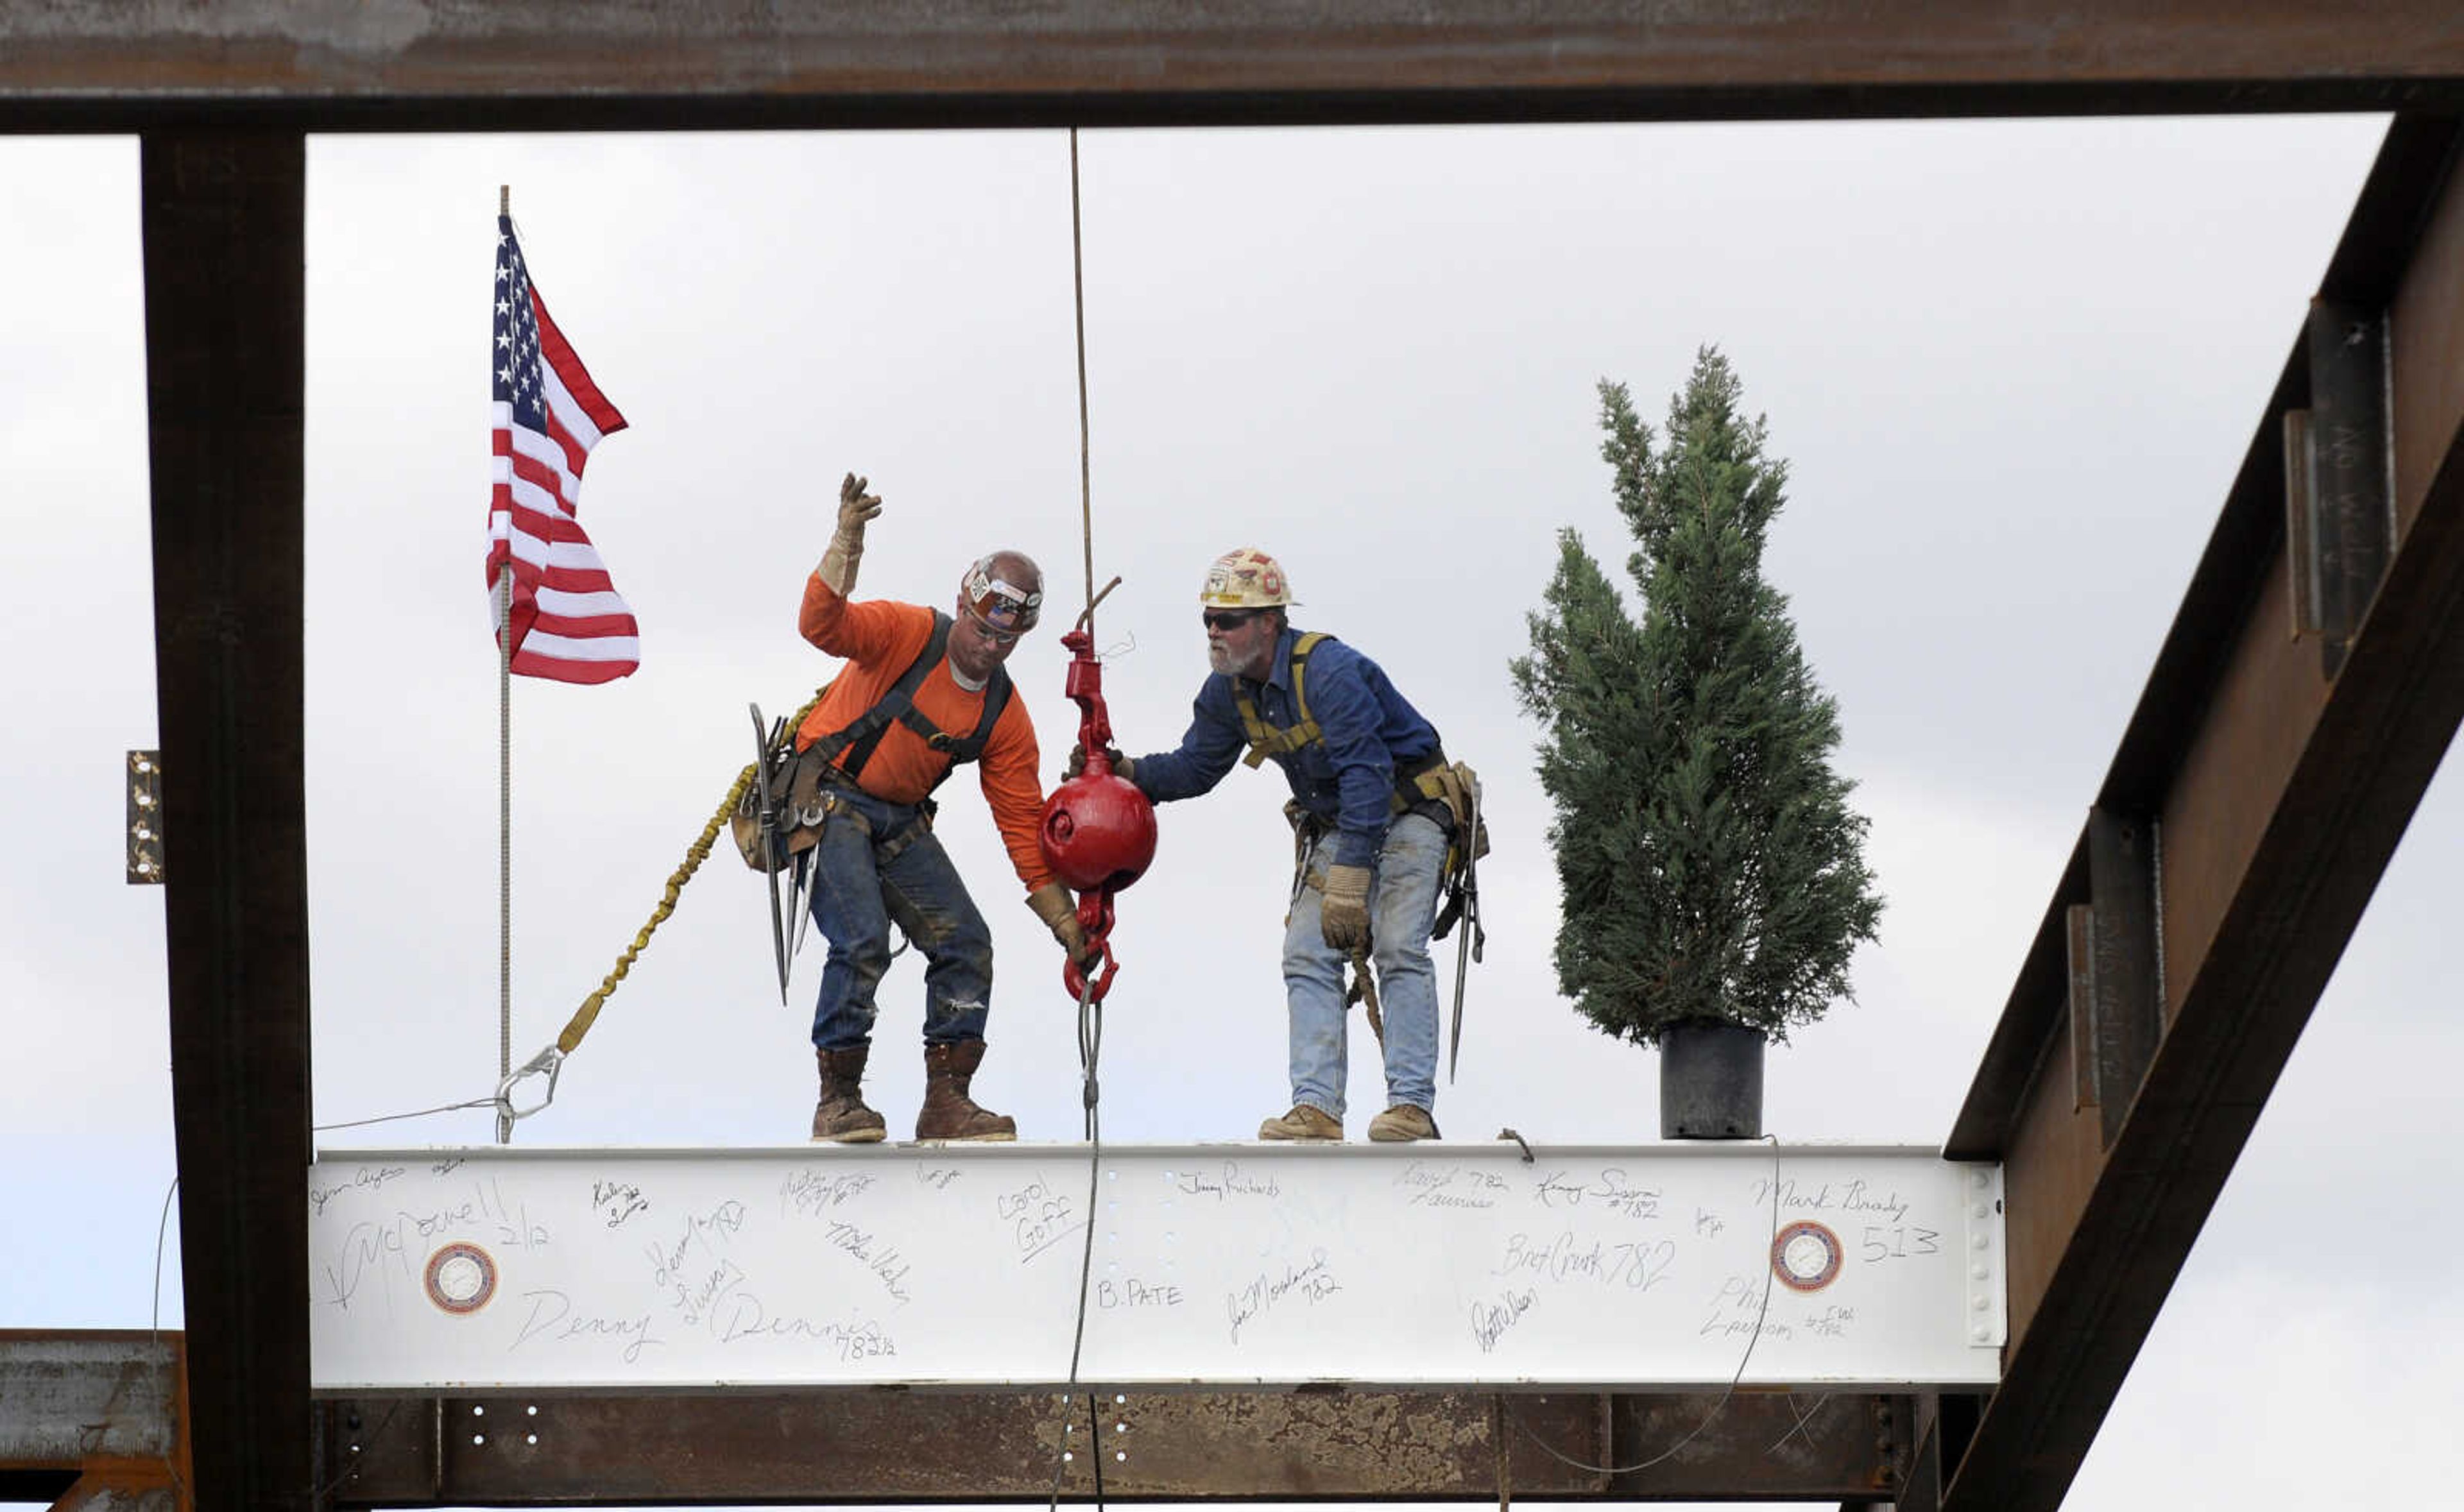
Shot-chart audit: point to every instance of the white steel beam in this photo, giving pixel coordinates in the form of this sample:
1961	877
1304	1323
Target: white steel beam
1672	1266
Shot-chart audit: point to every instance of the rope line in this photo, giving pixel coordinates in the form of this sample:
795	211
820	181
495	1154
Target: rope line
1090	1007
154	1330
1726	1392
1090	1044
389	1118
1086	475
695	854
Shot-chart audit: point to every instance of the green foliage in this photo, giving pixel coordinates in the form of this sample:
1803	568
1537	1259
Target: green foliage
1712	867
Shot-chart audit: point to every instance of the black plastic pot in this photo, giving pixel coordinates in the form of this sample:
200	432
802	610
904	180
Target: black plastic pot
1710	1082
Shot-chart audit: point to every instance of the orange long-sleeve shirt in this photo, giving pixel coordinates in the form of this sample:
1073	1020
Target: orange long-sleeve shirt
879	638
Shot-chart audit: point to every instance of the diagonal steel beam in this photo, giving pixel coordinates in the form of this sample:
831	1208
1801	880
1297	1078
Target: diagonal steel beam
2266	778
669	64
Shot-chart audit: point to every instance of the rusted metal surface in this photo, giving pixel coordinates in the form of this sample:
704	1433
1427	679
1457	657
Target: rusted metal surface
2280	791
1843	1446
877	1445
92	1416
669	64
224	256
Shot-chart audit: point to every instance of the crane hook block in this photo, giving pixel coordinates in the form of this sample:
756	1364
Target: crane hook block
1099	830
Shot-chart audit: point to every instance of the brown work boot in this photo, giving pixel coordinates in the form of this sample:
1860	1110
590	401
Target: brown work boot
948	1111
841	1116
1303	1122
1402	1122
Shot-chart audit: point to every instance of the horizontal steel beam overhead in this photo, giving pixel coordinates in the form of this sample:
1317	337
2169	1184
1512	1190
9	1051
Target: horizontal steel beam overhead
2276	782
101	1405
88	65
864	1445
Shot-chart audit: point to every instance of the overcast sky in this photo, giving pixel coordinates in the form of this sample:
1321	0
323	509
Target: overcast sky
2012	366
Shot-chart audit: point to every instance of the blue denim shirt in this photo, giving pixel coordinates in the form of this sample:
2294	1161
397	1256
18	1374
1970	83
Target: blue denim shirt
1346	777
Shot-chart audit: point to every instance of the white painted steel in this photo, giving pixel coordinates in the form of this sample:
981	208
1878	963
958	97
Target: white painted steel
1426	1266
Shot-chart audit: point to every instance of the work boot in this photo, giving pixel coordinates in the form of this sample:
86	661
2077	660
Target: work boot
1402	1122
1303	1122
948	1111
841	1116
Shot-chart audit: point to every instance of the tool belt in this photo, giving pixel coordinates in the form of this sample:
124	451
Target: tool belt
1441	790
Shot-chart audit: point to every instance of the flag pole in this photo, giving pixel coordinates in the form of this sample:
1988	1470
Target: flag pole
504	807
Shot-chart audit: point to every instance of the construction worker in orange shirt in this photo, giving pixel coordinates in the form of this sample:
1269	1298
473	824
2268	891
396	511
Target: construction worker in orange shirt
923	692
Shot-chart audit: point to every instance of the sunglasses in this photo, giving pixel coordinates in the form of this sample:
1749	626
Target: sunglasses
1228	619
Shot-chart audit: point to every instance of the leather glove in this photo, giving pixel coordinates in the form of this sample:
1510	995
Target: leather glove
1051	903
856	508
1344	917
1122	765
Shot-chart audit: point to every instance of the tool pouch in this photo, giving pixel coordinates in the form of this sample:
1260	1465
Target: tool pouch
1457	787
800	789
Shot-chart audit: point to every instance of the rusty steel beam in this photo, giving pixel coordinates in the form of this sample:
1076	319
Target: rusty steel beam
92	1414
224	231
2258	792
93	65
867	1445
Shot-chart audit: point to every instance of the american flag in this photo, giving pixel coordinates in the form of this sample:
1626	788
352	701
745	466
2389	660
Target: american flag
567	621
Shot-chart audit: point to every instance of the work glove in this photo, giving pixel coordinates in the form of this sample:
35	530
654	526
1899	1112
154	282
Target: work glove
1344	917
839	564
1051	903
1077	763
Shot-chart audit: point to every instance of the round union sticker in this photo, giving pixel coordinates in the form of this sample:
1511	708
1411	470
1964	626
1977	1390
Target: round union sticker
1805	1256
461	1278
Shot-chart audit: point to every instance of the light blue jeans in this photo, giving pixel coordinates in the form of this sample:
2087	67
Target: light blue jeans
1402	906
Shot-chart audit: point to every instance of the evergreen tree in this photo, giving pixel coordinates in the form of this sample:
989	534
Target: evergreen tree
1711	865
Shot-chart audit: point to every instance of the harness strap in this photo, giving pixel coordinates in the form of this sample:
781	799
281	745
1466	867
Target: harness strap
1264	739
862	735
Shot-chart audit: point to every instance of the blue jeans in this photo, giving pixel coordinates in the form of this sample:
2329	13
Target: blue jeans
877	863
1402	906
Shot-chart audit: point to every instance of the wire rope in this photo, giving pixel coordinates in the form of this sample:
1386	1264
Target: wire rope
1761	1312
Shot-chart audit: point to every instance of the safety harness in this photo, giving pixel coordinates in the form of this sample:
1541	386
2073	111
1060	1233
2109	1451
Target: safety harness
798	783
1423	782
863	735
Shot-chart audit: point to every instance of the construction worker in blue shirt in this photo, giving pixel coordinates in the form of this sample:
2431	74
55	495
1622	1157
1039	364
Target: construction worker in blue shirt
1372	843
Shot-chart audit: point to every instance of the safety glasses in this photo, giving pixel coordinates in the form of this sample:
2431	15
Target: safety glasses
1228	620
997	637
